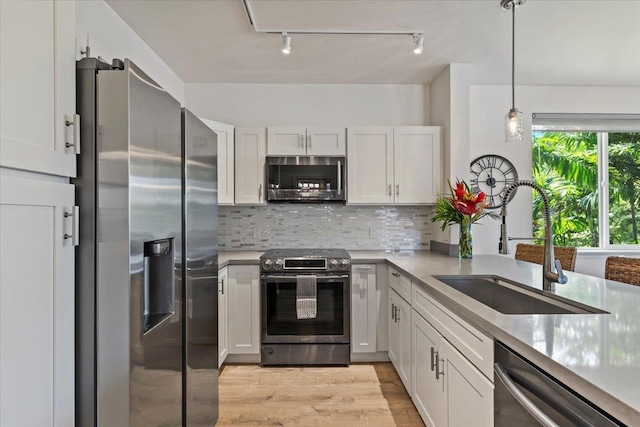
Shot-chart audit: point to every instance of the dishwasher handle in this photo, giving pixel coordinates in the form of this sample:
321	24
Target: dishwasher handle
522	399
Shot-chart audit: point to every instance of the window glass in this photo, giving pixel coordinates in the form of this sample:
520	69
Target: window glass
624	187
565	164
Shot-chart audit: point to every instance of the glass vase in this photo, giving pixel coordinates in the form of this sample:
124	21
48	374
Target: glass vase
465	248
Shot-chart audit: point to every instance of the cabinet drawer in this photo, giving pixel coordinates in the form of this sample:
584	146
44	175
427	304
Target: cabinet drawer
473	344
400	283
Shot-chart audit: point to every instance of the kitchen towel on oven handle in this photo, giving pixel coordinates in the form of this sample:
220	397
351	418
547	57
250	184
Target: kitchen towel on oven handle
306	296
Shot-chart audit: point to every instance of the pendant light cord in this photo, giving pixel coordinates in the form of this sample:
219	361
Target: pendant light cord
513	55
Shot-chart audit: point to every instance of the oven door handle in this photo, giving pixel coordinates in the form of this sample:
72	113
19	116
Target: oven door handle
294	277
522	399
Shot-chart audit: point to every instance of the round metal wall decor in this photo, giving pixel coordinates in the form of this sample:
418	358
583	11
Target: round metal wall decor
492	174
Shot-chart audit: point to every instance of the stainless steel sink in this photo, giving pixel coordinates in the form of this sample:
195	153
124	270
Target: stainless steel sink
510	297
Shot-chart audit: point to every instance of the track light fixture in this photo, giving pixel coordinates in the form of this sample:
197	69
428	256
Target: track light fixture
286	43
514	127
418	42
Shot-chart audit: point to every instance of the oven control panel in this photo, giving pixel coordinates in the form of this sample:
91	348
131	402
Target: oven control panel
305	264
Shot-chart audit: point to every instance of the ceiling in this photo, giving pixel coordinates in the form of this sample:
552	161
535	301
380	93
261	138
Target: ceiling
559	42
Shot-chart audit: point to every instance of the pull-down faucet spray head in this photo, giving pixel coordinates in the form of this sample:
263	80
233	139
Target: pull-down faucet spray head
551	268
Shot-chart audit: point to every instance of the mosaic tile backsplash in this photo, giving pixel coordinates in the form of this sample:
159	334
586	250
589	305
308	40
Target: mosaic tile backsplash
246	228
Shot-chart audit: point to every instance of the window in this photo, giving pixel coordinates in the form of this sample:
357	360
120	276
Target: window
571	155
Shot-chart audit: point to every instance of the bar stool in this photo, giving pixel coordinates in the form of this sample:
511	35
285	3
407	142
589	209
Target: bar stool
535	254
623	269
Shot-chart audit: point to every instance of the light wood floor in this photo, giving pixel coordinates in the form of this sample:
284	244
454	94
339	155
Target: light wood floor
357	395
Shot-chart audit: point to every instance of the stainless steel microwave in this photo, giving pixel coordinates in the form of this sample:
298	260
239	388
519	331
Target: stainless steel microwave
306	179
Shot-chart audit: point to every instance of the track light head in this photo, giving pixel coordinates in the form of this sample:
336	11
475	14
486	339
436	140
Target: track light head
418	42
286	43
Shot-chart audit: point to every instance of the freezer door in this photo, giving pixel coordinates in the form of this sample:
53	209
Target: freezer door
200	220
139	293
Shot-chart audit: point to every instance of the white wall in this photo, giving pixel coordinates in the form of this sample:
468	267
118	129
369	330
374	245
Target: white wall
308	104
440	99
110	37
450	109
488	106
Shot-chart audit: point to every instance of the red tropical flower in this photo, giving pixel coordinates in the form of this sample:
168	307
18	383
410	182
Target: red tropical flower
464	206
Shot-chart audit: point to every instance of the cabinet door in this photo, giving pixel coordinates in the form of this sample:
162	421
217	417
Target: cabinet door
223	316
364	309
403	316
286	141
250	155
428	391
370	165
37	82
469	393
226	160
36	303
416	164
393	340
326	141
244	309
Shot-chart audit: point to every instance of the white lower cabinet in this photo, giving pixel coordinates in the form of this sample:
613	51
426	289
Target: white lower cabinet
36	303
364	309
428	391
448	389
244	309
223	316
400	337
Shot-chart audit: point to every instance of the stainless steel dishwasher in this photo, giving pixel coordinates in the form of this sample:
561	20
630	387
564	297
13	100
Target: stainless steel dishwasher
526	396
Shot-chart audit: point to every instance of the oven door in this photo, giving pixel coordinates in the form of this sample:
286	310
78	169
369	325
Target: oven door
280	323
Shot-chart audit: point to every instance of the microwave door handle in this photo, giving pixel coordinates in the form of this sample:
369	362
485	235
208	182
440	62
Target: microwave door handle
339	177
522	399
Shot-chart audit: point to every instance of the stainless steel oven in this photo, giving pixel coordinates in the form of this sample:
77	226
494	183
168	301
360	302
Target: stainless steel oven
291	336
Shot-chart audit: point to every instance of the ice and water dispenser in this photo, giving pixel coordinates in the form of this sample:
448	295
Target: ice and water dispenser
159	282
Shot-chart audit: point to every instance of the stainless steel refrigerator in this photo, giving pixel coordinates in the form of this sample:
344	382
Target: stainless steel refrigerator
136	333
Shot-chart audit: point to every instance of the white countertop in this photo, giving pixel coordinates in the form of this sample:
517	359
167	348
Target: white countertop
597	355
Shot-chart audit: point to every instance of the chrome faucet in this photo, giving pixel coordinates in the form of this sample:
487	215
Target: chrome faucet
551	268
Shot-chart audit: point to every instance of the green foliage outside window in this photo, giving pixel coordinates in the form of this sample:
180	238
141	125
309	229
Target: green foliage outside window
566	165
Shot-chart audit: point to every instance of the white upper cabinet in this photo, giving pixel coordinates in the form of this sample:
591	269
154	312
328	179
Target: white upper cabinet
250	155
399	165
370	165
226	161
416	160
37	82
305	141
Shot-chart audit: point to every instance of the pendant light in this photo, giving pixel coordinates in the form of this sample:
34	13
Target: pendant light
514	128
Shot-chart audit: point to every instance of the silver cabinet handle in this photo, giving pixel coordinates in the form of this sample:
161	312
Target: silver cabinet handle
363	267
395	274
389	189
438	360
260	193
222	289
74	215
339	177
308	142
397	189
522	399
301	141
433	358
393	312
75	140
